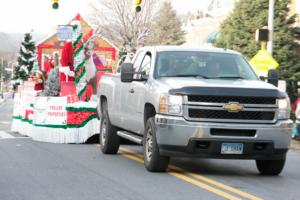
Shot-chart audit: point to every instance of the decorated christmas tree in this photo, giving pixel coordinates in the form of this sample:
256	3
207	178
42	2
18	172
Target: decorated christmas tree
26	58
52	85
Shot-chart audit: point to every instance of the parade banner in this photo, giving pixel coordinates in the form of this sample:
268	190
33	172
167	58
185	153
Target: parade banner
50	111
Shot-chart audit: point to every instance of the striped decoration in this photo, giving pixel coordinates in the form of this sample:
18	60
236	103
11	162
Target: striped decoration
79	60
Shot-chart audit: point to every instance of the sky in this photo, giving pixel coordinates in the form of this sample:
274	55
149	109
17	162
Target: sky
25	15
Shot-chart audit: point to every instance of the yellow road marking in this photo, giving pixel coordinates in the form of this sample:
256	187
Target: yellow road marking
137	157
204	186
197	176
134	158
216	183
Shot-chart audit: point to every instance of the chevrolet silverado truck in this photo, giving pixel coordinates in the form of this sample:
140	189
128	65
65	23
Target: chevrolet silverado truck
202	103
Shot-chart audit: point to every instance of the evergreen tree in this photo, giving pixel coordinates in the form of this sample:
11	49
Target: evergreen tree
52	85
238	31
167	27
25	59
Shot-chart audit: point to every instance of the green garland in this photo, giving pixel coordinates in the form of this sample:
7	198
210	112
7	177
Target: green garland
58	126
77	80
79	59
83	123
81	109
79	66
77	41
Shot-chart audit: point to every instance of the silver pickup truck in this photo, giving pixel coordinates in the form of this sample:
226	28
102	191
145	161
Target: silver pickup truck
206	103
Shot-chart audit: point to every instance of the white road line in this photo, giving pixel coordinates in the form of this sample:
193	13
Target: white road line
5	135
5	122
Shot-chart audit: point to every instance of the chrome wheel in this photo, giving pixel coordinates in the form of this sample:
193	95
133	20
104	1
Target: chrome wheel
149	145
103	132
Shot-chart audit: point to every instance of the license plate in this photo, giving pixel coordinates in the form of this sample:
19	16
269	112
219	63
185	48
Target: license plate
232	148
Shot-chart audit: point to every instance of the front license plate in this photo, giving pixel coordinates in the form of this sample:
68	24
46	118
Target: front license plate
232	148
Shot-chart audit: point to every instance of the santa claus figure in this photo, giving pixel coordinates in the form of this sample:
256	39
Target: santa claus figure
66	61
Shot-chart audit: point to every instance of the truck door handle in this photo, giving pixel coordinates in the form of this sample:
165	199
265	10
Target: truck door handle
131	90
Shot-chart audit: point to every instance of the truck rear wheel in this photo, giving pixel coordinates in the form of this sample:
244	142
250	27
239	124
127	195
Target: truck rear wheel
270	167
109	140
153	161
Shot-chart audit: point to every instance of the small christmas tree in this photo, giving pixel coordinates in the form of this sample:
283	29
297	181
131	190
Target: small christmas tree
52	85
26	58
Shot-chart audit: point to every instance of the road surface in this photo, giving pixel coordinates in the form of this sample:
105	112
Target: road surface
31	170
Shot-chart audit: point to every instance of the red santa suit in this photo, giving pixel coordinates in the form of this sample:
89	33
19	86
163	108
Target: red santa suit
47	67
67	61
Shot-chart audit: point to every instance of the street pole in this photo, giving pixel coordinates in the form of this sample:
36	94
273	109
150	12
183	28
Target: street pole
271	26
1	74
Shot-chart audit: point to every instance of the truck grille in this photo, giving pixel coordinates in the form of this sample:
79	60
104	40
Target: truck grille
212	109
223	114
226	99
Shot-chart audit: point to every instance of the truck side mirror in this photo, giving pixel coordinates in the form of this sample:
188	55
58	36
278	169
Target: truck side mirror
273	75
127	72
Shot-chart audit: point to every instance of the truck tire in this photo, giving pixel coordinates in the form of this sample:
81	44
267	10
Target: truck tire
270	167
153	161
109	140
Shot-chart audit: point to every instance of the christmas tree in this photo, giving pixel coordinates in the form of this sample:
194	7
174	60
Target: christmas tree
238	31
26	58
52	85
167	27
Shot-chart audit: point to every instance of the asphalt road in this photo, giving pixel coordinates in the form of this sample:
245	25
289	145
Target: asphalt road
31	170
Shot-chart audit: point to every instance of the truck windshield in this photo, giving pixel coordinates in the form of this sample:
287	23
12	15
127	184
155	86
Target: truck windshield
203	65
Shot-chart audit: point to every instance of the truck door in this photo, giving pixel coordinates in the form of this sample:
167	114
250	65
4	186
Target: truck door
137	97
126	95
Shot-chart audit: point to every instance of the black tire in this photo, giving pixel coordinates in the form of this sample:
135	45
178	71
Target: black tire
110	142
155	162
270	167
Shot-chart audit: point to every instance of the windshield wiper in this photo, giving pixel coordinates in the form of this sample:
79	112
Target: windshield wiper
187	75
230	77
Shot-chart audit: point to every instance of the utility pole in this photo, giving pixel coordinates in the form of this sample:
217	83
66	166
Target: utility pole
1	73
271	26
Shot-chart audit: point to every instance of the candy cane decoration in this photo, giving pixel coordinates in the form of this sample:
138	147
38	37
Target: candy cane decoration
79	59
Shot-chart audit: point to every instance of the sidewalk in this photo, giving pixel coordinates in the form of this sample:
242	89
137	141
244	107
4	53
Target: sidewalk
1	101
295	146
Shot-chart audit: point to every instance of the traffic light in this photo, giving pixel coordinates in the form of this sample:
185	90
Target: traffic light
137	6
262	35
55	4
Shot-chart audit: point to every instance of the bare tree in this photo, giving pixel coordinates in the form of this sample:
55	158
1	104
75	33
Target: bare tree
122	26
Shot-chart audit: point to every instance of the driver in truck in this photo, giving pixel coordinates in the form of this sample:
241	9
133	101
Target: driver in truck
213	68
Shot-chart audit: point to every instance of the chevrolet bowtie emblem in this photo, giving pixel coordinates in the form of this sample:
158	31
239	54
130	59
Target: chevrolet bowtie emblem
233	107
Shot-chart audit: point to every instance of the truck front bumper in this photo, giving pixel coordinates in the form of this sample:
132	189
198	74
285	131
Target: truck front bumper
178	137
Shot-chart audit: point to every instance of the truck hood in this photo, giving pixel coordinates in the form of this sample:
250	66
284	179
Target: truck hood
218	87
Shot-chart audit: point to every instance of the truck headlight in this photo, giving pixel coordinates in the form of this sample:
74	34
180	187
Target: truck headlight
170	104
284	108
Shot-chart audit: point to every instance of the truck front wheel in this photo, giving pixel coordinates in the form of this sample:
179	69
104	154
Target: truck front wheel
270	167
109	140
153	161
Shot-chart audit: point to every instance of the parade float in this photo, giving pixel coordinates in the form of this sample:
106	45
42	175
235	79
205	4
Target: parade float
65	110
